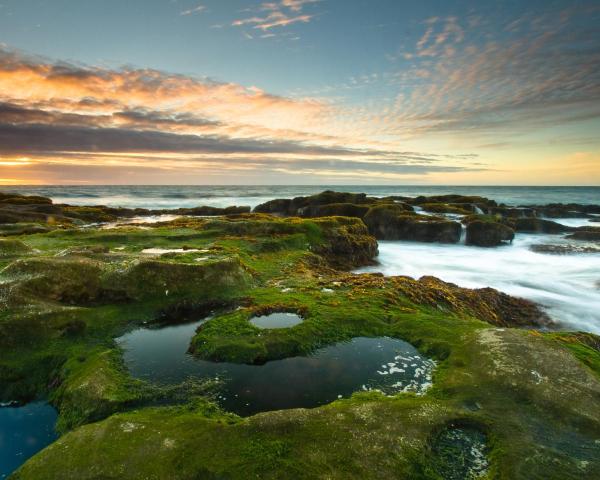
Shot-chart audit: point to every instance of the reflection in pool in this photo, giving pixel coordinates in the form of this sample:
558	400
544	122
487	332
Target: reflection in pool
276	320
386	364
24	431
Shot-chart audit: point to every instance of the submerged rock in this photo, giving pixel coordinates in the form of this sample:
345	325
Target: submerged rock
488	234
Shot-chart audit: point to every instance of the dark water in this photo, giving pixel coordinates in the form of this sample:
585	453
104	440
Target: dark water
276	320
165	196
24	431
332	372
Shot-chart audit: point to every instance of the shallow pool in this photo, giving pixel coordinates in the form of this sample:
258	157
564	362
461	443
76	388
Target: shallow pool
24	431
333	372
276	320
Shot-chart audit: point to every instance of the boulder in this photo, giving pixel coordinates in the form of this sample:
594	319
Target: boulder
9	248
538	225
392	222
488	234
334	210
66	280
146	279
456	208
346	242
590	234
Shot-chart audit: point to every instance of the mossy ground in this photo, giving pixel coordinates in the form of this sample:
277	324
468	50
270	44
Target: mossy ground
536	397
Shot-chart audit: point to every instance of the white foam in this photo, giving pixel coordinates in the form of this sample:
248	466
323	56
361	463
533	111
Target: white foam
565	285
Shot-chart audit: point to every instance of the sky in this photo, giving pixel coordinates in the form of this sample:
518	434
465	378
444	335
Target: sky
300	92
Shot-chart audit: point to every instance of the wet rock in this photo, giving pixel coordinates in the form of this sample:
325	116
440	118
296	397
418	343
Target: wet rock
15	229
347	242
451	198
460	452
565	248
334	209
65	280
151	278
512	212
308	204
282	206
590	234
538	225
488	234
455	208
570	210
9	248
391	222
487	304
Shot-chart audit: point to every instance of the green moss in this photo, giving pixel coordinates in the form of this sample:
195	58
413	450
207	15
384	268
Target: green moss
534	395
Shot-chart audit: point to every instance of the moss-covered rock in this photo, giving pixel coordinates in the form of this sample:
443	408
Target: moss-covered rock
66	280
456	208
590	234
538	225
488	234
10	248
391	222
150	278
334	209
346	242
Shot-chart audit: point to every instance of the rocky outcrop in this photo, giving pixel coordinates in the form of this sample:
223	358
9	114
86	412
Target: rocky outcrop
488	234
454	208
391	222
9	248
19	208
565	248
64	280
487	304
538	225
150	278
346	242
334	209
303	206
590	234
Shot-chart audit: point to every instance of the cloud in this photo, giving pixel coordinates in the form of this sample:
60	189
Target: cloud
62	114
280	14
193	11
469	77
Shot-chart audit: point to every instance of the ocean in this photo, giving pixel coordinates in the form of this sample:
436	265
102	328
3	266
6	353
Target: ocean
167	196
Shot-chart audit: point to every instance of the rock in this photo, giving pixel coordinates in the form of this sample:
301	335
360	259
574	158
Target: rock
538	225
347	242
488	234
565	248
65	280
452	198
334	209
590	234
487	304
456	208
282	206
570	210
392	222
146	279
15	229
9	248
512	212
